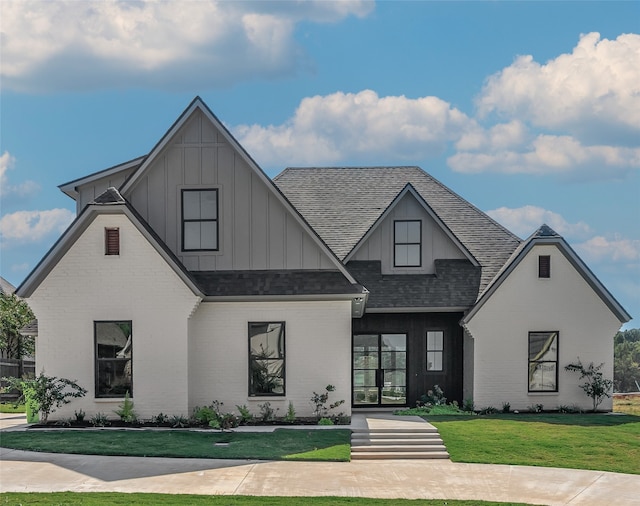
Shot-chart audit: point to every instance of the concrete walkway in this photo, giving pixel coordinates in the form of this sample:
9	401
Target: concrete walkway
437	479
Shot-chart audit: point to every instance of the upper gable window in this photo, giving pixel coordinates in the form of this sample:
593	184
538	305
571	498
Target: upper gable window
111	241
544	266
407	243
199	220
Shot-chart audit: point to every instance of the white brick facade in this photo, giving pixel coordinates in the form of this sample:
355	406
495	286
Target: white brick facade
317	353
526	303
138	285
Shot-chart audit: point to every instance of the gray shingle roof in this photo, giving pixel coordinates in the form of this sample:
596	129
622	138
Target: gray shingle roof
454	284
275	282
341	204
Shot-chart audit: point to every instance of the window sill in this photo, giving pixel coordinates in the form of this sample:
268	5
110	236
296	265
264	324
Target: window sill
546	394
109	399
262	398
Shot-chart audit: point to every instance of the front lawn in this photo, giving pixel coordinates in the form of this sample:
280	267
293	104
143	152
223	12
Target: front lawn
282	444
8	407
586	441
116	498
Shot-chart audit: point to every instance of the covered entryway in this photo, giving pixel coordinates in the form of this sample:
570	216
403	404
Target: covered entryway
379	370
398	357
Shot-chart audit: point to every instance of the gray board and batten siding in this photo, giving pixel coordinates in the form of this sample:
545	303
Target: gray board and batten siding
256	231
435	243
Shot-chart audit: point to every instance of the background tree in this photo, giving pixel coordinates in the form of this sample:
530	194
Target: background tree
626	362
15	314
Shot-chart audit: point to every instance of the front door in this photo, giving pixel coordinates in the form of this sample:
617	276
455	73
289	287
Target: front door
379	370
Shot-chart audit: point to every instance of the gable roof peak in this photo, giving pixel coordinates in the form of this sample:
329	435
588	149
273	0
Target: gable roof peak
110	196
545	231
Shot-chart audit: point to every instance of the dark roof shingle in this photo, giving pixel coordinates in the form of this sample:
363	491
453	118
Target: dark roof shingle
342	204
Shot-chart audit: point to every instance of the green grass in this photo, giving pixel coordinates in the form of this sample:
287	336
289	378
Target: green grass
589	441
113	498
7	407
282	444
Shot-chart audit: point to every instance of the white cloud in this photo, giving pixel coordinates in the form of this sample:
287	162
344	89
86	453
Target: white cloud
546	154
33	226
71	45
593	93
617	249
357	126
525	220
23	189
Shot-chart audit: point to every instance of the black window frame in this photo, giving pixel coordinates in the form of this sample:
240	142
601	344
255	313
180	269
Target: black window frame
544	266
98	360
440	351
252	359
535	362
396	243
183	221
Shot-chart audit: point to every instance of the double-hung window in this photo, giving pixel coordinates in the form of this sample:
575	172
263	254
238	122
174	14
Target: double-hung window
266	358
113	346
200	220
543	361
407	243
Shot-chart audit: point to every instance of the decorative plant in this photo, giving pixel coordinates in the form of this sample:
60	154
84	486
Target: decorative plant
596	386
325	421
99	420
245	415
506	407
160	419
179	421
290	417
79	415
319	402
49	392
468	405
434	397
125	411
267	413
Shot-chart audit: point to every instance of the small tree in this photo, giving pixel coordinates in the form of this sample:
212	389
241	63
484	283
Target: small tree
596	387
48	391
15	314
319	402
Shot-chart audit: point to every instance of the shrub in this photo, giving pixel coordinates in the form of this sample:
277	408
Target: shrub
179	421
267	413
325	421
506	407
79	415
596	387
159	419
49	392
536	408
434	397
125	410
228	421
468	405
319	402
489	410
245	415
204	415
99	420
290	417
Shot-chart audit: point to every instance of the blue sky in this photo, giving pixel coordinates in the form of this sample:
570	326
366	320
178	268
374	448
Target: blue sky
529	110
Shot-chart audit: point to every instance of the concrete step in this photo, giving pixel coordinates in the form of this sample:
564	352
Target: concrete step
389	435
398	448
394	441
413	430
398	455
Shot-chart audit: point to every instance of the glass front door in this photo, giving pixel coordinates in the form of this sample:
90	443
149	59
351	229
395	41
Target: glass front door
379	370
